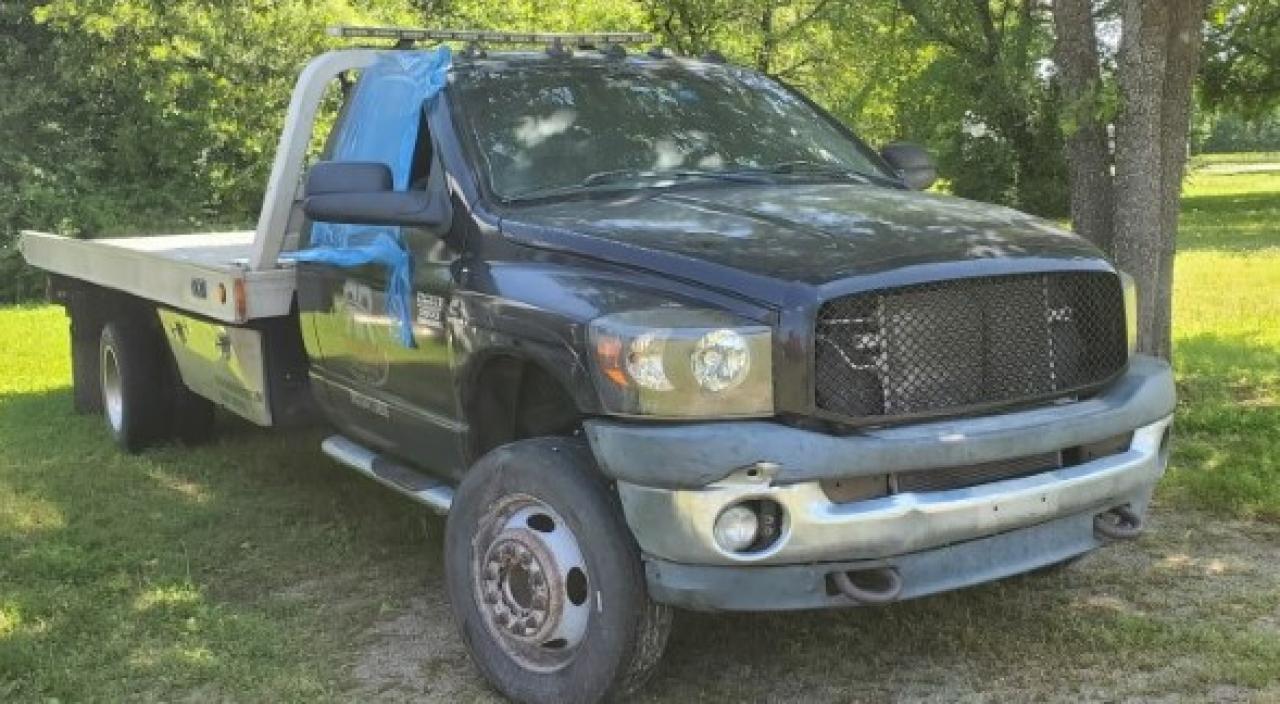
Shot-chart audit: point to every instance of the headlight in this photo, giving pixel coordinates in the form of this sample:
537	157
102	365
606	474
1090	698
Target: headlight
721	360
1130	310
681	363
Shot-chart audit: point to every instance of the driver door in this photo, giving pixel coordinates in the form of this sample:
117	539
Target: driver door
396	398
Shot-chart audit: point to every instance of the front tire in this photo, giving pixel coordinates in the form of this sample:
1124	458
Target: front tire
545	579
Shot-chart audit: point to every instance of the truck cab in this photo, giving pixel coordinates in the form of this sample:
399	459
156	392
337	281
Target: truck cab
658	332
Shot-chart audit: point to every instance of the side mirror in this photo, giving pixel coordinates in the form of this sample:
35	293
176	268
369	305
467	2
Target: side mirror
362	193
913	163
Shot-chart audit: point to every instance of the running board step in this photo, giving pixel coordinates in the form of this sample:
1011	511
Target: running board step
428	491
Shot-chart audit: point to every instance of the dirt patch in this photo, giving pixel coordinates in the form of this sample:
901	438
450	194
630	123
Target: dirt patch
416	655
1148	621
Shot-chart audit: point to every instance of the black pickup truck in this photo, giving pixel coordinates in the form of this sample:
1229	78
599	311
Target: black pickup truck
654	332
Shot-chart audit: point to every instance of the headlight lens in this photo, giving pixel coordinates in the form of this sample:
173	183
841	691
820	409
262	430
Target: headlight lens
681	363
1130	310
645	363
721	360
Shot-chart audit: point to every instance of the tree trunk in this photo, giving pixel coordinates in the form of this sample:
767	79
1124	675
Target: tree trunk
1139	231
1159	55
1088	155
1181	63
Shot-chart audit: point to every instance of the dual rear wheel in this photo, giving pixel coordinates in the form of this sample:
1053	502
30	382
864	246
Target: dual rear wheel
142	400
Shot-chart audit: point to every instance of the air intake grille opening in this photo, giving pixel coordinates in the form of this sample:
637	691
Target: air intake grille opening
949	346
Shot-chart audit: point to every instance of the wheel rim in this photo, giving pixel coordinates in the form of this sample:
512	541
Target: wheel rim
112	388
531	583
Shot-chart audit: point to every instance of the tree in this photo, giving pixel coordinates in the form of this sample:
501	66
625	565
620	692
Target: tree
1154	73
1241	68
993	108
1088	156
852	58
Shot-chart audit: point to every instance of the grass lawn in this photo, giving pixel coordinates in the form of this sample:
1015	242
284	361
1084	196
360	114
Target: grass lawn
254	569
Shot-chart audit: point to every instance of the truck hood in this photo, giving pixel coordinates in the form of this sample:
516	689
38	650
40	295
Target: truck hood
811	234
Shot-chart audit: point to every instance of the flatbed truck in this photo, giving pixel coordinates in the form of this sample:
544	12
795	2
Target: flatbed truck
653	332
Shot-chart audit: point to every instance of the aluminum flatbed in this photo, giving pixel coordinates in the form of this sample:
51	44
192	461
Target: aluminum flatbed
207	274
229	277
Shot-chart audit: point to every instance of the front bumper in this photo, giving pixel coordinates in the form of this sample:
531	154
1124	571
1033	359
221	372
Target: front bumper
677	525
807	586
935	540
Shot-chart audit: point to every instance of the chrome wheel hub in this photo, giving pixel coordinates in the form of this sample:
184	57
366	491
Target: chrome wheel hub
112	389
531	582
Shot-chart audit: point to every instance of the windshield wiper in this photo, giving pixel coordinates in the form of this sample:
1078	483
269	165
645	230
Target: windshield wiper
622	175
806	166
641	177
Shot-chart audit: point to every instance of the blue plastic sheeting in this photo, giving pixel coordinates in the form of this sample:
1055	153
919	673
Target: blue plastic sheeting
383	117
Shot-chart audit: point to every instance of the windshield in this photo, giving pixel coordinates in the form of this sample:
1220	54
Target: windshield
544	129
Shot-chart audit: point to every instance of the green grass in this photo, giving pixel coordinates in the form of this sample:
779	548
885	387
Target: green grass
1227	345
1202	160
254	569
182	570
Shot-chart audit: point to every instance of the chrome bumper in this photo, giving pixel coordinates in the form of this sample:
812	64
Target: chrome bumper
676	525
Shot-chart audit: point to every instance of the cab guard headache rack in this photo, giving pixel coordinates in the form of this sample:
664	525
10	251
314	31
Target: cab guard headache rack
405	37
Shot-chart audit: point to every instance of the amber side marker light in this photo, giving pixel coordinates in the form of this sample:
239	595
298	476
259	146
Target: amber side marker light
609	355
241	300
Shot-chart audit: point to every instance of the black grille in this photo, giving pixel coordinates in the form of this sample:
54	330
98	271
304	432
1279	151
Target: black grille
953	345
975	474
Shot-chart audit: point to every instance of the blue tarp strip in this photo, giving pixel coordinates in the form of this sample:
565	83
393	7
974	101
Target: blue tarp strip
382	125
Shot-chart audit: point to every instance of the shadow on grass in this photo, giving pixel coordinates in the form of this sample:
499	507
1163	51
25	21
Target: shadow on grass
1227	454
1235	222
179	569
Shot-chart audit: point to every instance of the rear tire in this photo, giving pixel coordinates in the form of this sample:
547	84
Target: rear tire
132	382
538	629
193	415
86	344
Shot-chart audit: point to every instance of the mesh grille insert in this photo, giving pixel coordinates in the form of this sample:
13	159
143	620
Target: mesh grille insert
948	345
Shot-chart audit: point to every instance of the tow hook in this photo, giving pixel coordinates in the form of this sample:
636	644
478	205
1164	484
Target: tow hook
1119	523
887	584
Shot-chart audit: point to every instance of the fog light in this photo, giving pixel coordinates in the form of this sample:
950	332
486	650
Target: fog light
736	528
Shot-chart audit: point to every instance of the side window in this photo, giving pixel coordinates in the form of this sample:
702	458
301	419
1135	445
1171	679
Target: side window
425	173
420	169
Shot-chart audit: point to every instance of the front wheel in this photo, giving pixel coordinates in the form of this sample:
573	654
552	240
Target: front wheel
545	579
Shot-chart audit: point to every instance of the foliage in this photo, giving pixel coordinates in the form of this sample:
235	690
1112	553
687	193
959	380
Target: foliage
988	103
147	115
1241	68
1219	131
